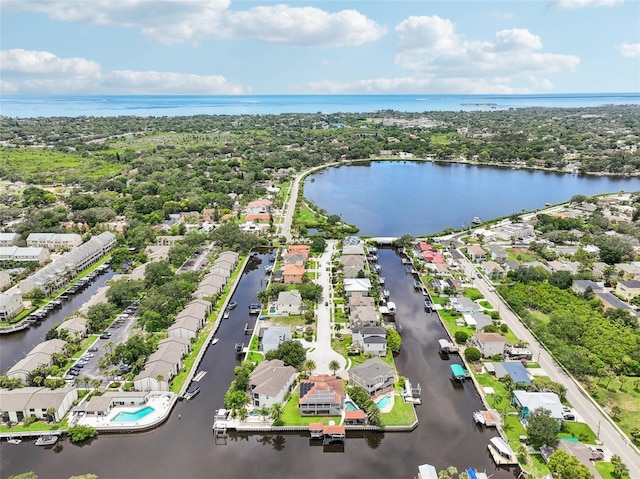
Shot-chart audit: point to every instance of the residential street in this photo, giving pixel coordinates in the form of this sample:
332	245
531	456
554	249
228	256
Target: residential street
322	353
591	413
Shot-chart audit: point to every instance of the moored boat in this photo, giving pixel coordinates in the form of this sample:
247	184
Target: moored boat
46	440
192	390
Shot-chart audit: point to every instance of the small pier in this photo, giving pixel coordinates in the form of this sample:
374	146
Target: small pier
487	418
247	329
501	452
316	430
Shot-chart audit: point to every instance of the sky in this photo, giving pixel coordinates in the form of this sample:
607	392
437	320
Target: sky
229	47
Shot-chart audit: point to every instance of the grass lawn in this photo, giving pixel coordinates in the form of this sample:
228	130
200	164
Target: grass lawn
291	321
520	254
36	426
291	415
536	466
485	304
473	293
579	430
402	413
623	393
606	470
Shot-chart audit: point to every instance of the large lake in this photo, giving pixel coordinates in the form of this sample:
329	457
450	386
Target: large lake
392	198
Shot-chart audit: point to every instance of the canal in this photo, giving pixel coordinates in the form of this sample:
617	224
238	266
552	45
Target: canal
15	346
185	447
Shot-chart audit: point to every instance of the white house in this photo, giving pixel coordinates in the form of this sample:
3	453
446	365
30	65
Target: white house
5	280
289	302
489	344
18	404
270	382
528	402
371	340
76	326
9	239
10	305
357	285
162	366
54	241
28	254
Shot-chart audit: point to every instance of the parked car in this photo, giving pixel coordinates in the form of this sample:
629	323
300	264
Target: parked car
597	454
105	335
93	349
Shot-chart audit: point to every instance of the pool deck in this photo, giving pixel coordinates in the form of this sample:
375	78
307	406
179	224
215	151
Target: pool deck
162	404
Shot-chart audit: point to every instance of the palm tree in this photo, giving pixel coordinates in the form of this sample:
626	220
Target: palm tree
264	412
308	366
334	366
96	383
276	411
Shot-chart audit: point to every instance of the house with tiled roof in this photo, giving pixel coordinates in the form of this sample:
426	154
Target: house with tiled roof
321	395
270	382
301	249
293	273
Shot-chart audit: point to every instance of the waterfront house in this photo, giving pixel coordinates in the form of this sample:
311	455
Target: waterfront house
10	305
462	304
476	253
374	376
355	418
515	370
293	273
489	344
75	326
353	260
230	257
370	340
270	382
515	231
361	316
357	285
300	249
526	402
321	395
289	302
186	327
353	271
18	404
222	266
628	289
353	249
206	291
100	406
293	258
270	338
162	365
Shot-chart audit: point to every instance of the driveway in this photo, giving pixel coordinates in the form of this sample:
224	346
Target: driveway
323	354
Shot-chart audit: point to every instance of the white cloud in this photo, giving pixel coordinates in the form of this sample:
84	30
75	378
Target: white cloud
32	61
175	21
28	71
430	46
152	82
303	26
573	4
631	50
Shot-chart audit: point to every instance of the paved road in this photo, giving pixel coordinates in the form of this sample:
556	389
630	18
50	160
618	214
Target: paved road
323	354
592	414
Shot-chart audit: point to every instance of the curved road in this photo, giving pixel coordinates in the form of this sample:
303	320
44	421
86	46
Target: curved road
591	413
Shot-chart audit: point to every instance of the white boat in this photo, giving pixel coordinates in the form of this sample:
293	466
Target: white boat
14	440
215	340
226	314
476	220
192	390
46	440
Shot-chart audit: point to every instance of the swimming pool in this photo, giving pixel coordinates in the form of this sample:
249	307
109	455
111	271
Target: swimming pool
350	406
272	310
133	416
383	402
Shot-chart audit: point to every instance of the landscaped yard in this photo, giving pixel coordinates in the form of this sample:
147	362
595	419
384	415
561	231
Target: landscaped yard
579	430
291	415
402	413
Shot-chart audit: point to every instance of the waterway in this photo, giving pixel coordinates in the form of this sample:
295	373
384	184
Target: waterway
185	447
15	346
392	198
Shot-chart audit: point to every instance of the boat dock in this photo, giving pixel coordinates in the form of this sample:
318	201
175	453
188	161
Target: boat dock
501	452
487	418
447	347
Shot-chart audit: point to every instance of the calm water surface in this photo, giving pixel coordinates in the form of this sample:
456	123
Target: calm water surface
392	198
185	447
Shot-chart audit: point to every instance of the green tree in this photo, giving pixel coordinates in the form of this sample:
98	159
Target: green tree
25	475
157	273
472	354
291	352
334	366
404	241
308	366
122	292
561	279
318	244
98	316
620	469
80	433
84	476
461	337
276	411
394	340
566	466
542	429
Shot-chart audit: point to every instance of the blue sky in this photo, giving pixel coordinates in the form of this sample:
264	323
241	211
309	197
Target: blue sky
318	47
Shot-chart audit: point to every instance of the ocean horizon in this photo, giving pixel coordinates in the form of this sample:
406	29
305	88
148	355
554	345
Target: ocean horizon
33	106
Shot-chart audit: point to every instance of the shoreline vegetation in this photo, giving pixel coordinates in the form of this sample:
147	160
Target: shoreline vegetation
149	176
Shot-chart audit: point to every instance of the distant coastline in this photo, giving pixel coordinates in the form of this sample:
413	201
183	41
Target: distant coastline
33	106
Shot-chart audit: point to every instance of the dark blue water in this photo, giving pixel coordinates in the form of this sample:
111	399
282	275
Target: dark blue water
417	198
26	106
184	447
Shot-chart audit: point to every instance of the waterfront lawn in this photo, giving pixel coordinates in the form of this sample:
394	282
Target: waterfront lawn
178	382
578	430
536	467
34	427
291	415
291	321
623	392
402	413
